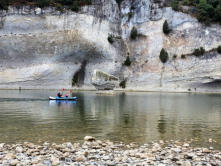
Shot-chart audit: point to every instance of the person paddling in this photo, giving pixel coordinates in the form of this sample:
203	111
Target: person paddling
59	95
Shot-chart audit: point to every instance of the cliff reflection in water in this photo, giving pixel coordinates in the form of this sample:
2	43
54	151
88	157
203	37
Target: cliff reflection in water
127	117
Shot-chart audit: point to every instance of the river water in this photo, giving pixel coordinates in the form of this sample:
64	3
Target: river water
28	115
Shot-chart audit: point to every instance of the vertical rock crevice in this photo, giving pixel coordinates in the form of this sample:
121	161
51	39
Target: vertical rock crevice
79	75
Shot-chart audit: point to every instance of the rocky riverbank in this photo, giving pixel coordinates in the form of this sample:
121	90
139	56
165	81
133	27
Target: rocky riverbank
96	152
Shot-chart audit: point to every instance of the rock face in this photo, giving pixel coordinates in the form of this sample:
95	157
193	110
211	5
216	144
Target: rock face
104	81
46	50
43	48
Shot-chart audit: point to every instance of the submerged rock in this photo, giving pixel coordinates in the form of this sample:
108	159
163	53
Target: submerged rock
106	93
89	138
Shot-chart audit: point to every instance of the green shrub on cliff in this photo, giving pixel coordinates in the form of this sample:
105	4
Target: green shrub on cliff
166	29
163	56
110	38
119	2
127	62
219	49
199	51
133	33
183	56
186	2
130	15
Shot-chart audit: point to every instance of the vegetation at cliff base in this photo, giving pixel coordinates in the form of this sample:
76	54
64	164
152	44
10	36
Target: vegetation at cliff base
123	84
163	56
219	49
206	11
60	4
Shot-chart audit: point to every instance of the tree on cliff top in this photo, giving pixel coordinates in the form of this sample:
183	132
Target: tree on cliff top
175	5
60	4
75	7
43	3
205	12
4	4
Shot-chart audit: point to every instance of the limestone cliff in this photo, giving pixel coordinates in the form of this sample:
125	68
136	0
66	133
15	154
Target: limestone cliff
43	48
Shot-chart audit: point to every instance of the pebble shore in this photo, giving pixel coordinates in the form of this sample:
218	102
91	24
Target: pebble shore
105	153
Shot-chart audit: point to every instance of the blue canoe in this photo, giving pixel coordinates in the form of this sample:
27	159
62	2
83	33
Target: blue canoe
62	98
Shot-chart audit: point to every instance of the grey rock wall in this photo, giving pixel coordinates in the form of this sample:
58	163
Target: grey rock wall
46	50
43	48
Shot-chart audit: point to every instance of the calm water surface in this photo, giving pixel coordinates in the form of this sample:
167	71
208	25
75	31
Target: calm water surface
129	117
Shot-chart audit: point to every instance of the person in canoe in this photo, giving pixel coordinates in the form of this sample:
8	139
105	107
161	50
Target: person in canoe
59	95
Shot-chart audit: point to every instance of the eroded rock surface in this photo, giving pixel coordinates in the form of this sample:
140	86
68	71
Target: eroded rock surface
104	81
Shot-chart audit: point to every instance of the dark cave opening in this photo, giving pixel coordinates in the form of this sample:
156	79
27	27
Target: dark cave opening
79	76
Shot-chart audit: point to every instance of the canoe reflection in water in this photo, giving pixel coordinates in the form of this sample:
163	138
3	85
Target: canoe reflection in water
62	102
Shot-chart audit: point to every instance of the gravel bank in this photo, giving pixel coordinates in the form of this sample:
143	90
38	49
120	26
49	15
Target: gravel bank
96	152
